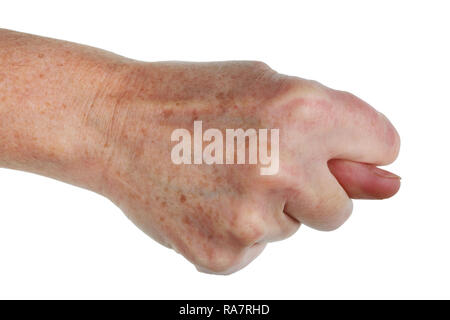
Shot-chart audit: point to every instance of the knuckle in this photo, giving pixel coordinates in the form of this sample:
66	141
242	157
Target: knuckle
337	216
288	230
248	229
290	84
259	65
306	102
254	68
223	262
249	235
306	87
329	213
269	79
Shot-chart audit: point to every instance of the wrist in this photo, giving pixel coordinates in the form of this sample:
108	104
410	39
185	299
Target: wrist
95	128
56	109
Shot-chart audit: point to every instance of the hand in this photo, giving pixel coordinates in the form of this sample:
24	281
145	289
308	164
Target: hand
220	217
105	123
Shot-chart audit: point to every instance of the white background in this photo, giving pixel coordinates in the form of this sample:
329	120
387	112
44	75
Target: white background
59	241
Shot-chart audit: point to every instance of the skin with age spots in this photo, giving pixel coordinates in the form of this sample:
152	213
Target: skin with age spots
104	122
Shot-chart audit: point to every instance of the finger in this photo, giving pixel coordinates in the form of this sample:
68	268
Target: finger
321	203
289	227
364	181
279	225
359	132
283	226
267	223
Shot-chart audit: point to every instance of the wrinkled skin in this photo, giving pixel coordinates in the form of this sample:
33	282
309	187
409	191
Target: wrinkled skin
220	217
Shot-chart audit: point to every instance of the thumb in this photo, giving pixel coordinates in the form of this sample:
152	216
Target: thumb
364	181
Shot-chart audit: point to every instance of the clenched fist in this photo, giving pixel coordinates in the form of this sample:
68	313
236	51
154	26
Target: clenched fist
106	123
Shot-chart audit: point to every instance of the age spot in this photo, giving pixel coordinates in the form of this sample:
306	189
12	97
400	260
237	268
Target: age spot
167	113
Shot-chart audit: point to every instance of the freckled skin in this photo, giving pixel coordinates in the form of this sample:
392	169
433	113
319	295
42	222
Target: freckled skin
104	122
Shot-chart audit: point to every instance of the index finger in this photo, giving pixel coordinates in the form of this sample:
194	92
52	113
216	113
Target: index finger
360	133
